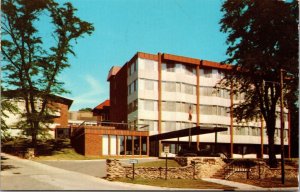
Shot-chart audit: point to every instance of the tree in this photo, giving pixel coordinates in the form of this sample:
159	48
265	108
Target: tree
32	62
262	39
86	109
6	108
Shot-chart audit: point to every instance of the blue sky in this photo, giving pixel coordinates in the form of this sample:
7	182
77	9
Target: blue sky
123	27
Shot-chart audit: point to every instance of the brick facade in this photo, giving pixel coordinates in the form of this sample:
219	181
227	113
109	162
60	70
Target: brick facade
62	120
88	140
118	96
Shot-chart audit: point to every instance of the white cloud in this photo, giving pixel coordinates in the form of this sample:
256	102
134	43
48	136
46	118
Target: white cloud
91	94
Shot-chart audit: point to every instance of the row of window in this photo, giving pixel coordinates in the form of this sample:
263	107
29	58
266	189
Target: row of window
127	145
151	105
188	89
253	131
175	67
211	91
191	70
285	116
167	125
214	110
177	125
172	106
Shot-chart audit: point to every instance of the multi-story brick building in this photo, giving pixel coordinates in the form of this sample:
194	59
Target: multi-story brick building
169	93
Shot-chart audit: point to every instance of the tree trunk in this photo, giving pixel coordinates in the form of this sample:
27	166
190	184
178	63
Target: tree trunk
34	135
271	130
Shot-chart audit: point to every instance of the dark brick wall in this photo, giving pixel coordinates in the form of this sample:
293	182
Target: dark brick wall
93	143
118	96
64	115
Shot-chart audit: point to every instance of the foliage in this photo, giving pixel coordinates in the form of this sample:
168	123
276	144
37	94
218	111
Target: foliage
29	66
262	39
86	109
7	107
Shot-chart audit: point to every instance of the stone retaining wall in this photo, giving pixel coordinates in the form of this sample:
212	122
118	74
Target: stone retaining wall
196	168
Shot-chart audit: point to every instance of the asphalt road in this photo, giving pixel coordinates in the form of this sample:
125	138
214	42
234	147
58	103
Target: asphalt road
21	174
95	168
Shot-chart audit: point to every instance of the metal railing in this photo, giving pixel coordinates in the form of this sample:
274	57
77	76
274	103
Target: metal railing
114	125
237	165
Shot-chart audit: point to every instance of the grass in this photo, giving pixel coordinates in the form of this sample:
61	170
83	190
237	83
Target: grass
176	183
171	163
64	154
46	149
269	182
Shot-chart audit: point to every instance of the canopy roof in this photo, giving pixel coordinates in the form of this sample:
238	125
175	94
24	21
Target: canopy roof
198	130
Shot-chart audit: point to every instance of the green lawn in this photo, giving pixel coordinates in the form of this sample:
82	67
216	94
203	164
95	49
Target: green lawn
64	154
176	183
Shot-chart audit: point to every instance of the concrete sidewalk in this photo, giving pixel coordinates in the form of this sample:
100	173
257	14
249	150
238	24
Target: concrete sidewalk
246	187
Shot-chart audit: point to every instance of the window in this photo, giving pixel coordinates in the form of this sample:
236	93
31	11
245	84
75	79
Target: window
152	124
220	74
190	70
205	110
129	90
255	131
132	68
206	91
170	67
179	107
169	86
136	145
135	85
149	85
113	144
144	145
207	72
169	106
133	106
132	87
224	93
104	144
285	133
178	87
188	89
121	139
149	105
169	126
149	65
128	145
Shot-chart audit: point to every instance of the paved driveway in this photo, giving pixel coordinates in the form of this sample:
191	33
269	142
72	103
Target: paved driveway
21	174
95	168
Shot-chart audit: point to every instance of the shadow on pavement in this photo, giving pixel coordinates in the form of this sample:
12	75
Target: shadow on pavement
6	167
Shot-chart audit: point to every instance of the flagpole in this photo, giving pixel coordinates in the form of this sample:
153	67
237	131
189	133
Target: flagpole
190	119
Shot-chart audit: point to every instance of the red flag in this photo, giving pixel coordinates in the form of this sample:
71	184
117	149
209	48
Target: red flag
190	113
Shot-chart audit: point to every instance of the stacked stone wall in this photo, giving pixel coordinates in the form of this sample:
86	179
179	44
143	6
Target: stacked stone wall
195	168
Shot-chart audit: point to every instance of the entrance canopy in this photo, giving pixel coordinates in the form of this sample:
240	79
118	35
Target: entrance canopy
198	130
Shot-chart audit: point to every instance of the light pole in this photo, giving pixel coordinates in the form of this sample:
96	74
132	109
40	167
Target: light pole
281	127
